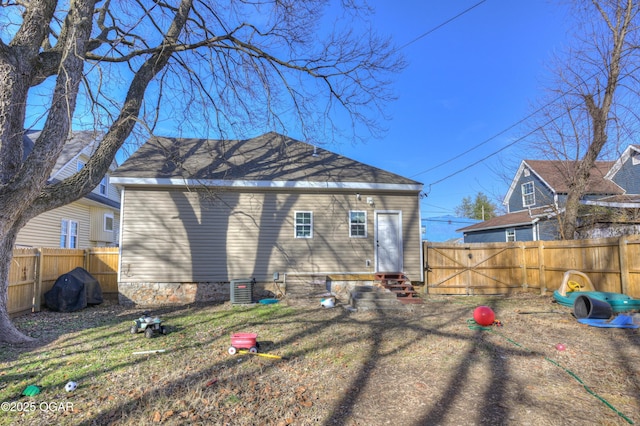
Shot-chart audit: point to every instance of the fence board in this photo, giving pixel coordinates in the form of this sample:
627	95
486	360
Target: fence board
498	268
34	271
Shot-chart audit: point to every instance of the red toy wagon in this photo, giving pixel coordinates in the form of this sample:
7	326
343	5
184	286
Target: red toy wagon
243	341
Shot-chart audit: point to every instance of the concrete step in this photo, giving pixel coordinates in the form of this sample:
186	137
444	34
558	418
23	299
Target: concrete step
373	298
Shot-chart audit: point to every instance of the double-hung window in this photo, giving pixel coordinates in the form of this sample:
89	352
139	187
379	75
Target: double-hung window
358	224
511	234
103	185
528	194
68	234
108	222
304	225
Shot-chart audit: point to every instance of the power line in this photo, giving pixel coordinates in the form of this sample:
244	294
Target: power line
437	27
546	105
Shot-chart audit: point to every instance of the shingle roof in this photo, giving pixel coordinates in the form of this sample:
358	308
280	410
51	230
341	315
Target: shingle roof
556	174
522	217
270	157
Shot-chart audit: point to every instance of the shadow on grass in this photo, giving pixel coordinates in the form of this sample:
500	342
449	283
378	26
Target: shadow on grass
233	384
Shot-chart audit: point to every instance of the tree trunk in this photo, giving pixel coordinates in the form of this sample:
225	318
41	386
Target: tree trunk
9	333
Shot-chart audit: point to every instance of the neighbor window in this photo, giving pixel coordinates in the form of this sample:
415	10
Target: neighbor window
358	224
103	185
108	222
528	194
511	234
69	234
304	225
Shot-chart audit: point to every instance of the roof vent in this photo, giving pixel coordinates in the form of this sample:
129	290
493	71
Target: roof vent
315	151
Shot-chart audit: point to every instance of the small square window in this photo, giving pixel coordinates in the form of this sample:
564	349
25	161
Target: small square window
358	224
304	225
108	222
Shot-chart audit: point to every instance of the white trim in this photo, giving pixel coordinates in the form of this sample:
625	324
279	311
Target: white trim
516	179
295	224
105	216
626	154
119	236
68	235
376	214
125	181
532	193
365	224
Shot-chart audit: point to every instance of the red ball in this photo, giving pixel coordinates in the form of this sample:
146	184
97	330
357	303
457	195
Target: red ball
484	315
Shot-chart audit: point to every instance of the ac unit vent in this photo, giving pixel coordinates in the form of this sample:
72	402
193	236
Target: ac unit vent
242	290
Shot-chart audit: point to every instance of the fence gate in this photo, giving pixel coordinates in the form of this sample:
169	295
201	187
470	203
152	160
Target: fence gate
463	269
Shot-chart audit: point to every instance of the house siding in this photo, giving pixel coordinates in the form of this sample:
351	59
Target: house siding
523	233
627	177
543	195
44	230
204	236
99	236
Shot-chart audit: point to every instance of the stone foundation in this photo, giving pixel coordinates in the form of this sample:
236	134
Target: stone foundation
162	294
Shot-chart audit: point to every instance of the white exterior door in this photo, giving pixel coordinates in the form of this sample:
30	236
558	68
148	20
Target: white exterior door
388	236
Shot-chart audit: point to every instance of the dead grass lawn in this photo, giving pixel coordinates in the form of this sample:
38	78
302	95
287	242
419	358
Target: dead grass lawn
423	367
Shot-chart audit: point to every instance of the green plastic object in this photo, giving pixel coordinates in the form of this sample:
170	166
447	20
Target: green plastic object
31	390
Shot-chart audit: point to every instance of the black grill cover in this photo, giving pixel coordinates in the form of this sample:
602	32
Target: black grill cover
73	291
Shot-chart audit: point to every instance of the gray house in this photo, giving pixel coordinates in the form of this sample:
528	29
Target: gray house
539	191
198	213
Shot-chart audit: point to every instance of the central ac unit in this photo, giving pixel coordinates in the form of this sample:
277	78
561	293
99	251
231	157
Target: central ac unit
242	290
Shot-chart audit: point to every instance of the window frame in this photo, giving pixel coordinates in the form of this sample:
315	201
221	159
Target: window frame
69	233
105	217
301	226
510	232
353	224
104	186
528	194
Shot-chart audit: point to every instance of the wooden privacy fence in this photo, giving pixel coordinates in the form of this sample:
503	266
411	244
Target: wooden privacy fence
34	271
612	264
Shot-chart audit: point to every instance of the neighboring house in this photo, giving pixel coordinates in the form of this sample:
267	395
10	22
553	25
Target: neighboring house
197	214
539	191
92	221
444	228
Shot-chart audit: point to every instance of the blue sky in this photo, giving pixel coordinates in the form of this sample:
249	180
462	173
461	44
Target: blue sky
465	82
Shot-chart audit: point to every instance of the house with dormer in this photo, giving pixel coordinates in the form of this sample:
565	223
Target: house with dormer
92	221
538	192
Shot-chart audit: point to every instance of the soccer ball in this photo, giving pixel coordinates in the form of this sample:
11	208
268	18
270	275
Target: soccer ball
71	386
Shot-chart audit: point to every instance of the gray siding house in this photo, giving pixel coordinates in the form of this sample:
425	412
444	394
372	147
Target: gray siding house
539	190
198	213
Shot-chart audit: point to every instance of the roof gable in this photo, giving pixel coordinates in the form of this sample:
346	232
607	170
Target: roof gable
84	141
271	157
632	151
556	175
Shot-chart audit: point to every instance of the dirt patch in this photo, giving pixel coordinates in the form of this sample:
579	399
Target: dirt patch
426	366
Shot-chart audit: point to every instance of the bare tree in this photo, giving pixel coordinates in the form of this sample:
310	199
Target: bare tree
592	108
185	67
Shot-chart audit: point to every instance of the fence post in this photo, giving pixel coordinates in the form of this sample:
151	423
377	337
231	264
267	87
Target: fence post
541	268
624	267
37	282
